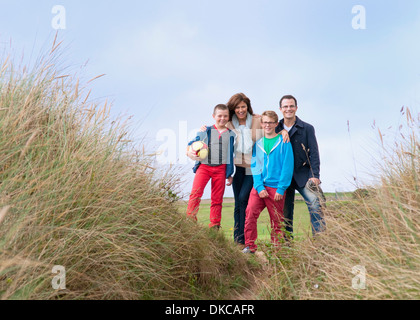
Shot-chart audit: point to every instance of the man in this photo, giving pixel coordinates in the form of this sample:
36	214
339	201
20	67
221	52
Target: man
306	166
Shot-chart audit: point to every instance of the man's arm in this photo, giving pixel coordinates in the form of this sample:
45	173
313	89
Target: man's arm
313	154
287	161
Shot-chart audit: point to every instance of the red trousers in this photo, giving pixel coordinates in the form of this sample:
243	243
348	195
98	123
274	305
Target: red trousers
218	182
253	210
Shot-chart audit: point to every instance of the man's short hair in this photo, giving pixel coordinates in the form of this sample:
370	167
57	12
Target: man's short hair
220	107
271	114
288	96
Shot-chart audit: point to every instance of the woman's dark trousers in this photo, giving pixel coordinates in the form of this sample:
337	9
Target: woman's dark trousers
242	186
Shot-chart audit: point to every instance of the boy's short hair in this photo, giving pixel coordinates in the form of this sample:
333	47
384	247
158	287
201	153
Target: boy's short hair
220	107
271	114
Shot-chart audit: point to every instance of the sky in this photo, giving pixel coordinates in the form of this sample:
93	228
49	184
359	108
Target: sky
351	64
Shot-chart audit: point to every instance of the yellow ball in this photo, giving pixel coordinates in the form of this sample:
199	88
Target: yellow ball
201	149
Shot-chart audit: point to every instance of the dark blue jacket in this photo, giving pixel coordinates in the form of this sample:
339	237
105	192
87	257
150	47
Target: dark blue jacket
206	137
305	151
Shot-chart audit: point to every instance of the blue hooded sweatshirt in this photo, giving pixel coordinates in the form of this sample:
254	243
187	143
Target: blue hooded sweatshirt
275	169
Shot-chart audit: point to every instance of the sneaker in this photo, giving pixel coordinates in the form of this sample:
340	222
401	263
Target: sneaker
240	245
247	250
215	227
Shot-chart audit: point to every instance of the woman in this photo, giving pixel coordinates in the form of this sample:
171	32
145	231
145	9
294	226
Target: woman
247	127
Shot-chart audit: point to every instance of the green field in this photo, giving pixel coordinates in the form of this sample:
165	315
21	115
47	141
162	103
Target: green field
301	224
301	219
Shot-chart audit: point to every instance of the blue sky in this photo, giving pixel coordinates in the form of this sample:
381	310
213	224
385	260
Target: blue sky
168	63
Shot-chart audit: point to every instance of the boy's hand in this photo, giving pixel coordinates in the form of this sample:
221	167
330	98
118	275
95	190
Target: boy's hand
229	181
278	197
263	194
192	155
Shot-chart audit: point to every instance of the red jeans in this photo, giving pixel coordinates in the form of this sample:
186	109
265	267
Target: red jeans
218	182
253	210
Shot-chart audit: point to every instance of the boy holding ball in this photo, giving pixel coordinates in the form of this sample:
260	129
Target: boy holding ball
217	166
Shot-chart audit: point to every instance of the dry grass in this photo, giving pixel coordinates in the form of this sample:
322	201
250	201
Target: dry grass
380	232
75	192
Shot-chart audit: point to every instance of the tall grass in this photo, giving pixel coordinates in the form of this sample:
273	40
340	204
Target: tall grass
375	238
75	192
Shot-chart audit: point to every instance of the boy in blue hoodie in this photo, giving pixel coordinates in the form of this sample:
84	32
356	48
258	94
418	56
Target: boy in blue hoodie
272	169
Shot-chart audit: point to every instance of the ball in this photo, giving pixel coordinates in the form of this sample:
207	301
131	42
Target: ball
201	149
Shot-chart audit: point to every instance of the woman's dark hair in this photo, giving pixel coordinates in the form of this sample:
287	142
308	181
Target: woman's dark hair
237	99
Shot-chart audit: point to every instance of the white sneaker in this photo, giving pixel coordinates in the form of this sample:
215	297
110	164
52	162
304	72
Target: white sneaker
247	250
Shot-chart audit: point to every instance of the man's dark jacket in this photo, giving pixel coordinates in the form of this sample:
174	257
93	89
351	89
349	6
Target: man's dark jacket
305	146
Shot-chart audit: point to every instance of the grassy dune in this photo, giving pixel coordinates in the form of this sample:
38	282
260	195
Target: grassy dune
302	228
75	192
371	249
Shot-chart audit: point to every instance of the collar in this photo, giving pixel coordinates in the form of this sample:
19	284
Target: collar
260	144
221	132
298	123
235	121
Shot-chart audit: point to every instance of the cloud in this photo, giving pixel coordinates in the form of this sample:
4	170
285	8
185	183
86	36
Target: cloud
157	51
178	64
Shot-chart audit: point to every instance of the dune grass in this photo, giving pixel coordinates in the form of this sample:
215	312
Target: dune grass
302	228
301	224
76	192
371	249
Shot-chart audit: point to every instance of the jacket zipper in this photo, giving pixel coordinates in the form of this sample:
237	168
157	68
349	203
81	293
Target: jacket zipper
268	156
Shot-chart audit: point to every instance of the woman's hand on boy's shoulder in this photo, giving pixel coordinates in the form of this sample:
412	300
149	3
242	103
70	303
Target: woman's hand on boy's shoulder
203	128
